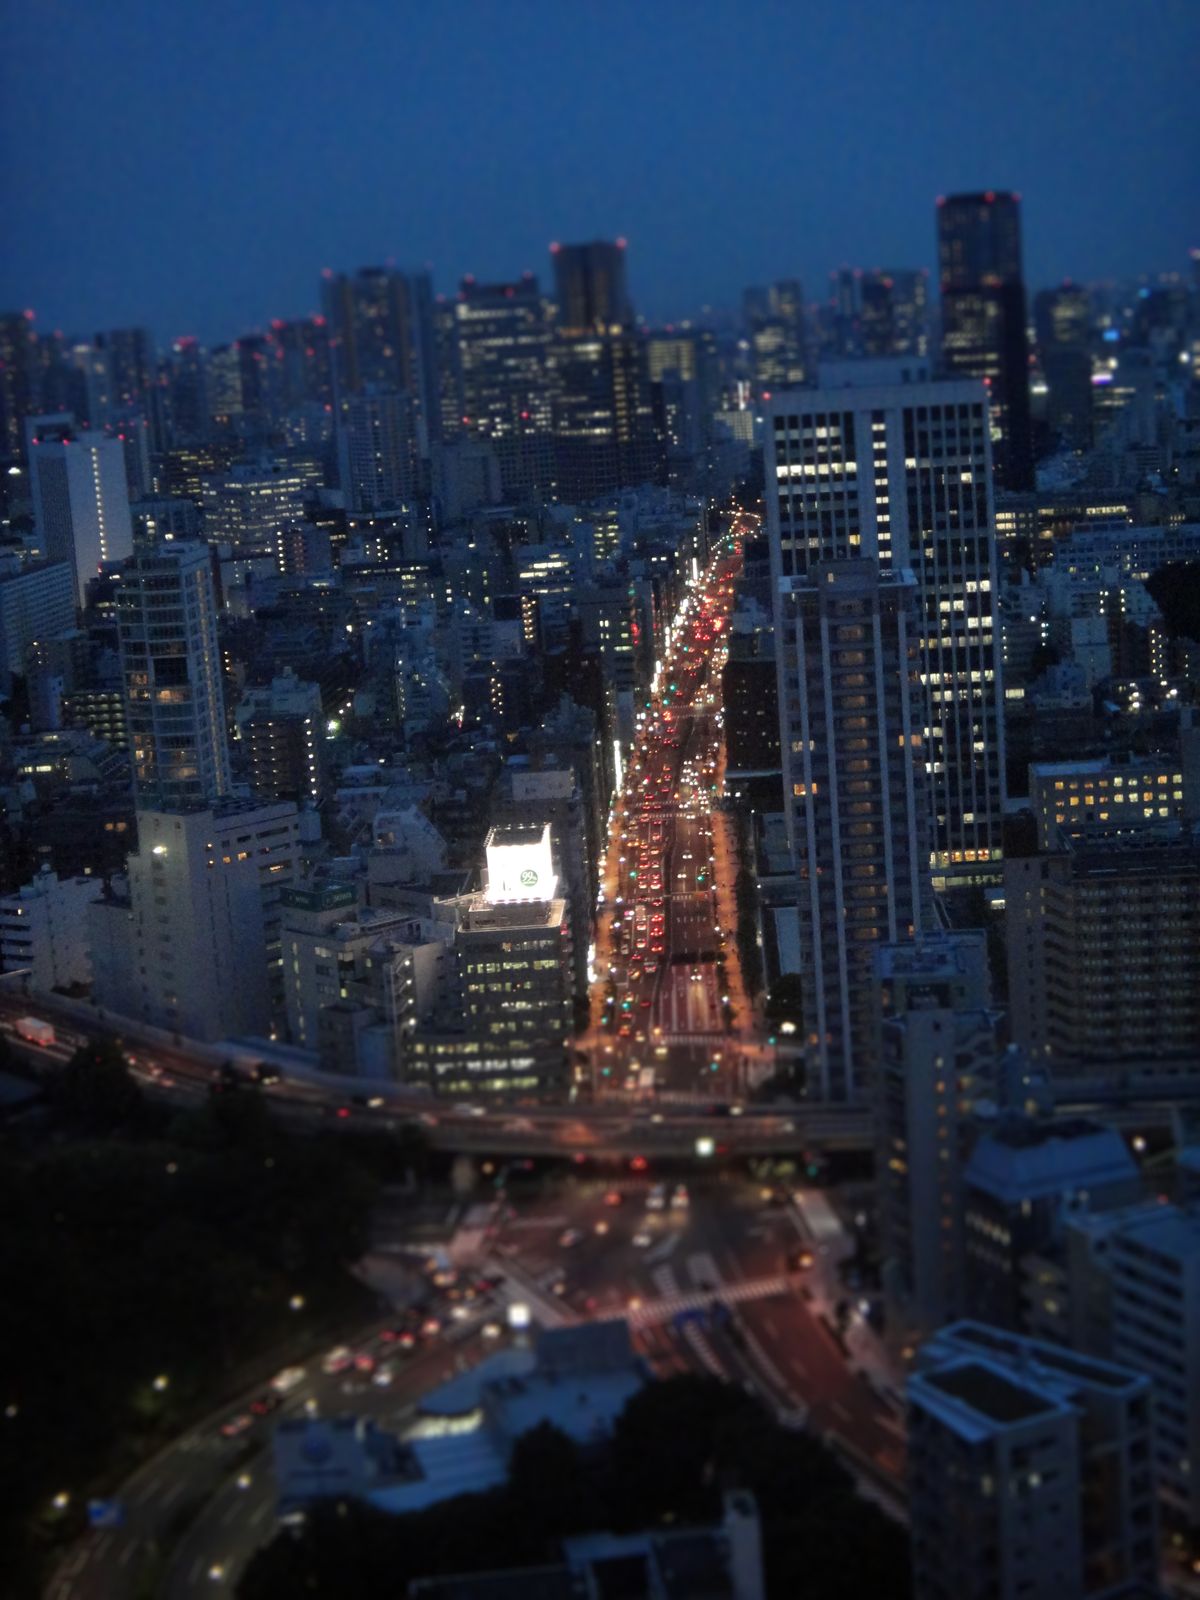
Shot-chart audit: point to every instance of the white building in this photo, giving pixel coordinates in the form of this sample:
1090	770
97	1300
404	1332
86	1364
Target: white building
167	617
194	948
80	497
44	929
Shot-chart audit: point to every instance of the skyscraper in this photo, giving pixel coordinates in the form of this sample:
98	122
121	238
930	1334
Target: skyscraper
775	325
502	335
900	471
376	449
983	317
18	380
893	315
131	367
847	641
606	434
381	322
166	615
590	287
80	497
1063	323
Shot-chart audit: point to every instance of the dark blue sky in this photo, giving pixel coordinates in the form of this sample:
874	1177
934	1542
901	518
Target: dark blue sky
192	164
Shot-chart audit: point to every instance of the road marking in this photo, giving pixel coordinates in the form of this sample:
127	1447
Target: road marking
259	1513
771	1326
172	1494
232	1510
839	1410
126	1555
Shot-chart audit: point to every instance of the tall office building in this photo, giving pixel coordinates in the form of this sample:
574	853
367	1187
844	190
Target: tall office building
502	335
894	313
167	620
606	434
377	453
867	465
1029	1472
19	390
80	497
983	317
381	324
131	362
1063	324
847	643
590	286
305	361
774	318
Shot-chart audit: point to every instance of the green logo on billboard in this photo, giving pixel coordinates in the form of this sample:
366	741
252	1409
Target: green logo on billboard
528	878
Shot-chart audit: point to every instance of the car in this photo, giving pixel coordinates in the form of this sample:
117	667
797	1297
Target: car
569	1238
643	1240
431	1327
613	1197
384	1375
266	1403
656	1200
601	1227
364	1362
236	1426
491	1330
290	1378
339	1359
680	1198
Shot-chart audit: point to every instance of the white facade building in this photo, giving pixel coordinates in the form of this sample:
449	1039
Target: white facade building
80	497
44	929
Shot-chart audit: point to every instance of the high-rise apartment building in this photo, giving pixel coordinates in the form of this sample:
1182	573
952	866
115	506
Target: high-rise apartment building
381	324
502	336
18	380
167	620
606	434
939	1053
282	732
377	457
1029	1472
847	644
983	317
80	497
1103	939
871	465
590	286
37	603
131	362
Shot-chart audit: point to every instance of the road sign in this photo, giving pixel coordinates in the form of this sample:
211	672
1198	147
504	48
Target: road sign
105	1513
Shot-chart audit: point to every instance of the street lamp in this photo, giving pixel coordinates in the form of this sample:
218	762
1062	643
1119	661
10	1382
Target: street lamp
161	1384
296	1303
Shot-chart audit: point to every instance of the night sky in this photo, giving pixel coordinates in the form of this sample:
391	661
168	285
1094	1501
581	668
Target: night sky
192	166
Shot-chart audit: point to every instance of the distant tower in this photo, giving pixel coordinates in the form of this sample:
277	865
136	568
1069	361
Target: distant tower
590	286
80	497
983	317
376	450
167	619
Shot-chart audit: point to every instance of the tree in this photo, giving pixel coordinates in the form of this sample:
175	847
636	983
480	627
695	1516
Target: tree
95	1093
663	1449
548	1484
1175	590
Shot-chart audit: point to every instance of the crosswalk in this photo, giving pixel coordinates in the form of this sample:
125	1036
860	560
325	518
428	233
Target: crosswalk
670	1301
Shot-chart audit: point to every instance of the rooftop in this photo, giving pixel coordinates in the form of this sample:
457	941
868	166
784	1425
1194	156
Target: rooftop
989	1392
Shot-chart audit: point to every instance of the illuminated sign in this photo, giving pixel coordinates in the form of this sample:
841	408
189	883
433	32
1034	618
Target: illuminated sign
520	867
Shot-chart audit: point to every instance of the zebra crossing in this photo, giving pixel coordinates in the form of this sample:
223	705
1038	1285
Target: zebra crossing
671	1301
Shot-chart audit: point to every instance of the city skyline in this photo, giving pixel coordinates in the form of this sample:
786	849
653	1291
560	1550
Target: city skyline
728	198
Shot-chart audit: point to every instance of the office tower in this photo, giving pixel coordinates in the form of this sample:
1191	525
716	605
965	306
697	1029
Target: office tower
1028	1472
37	603
893	315
590	286
167	620
377	455
1103	939
983	317
187	393
19	388
305	363
502	336
1024	1178
382	327
257	376
774	319
939	1053
900	471
193	945
1111	795
132	365
281	727
1063	325
847	642
250	504
606	434
80	497
223	389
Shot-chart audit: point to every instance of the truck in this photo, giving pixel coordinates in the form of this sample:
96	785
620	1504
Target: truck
34	1030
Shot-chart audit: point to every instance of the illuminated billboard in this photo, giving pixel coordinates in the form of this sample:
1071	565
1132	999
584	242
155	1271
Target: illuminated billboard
519	865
